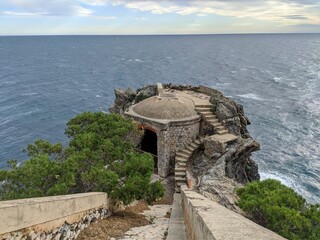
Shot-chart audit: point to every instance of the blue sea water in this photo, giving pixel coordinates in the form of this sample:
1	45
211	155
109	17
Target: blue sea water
46	80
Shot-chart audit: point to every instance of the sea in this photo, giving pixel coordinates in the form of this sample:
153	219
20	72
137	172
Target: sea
47	80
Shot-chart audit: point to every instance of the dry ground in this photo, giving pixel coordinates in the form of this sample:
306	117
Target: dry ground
119	223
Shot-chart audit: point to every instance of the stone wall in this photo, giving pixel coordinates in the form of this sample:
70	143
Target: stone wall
206	219
57	217
176	136
163	152
181	135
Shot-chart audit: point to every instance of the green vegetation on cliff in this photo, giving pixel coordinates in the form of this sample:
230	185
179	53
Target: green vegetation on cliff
277	207
100	156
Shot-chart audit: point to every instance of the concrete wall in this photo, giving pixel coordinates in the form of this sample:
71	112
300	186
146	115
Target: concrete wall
49	213
209	220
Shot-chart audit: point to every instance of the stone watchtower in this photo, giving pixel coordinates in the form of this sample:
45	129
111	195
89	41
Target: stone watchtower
170	123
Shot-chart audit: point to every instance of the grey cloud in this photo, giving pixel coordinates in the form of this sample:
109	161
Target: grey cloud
298	17
311	28
303	2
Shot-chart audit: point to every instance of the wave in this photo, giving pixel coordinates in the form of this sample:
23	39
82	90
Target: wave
284	81
284	180
314	106
29	94
251	96
136	60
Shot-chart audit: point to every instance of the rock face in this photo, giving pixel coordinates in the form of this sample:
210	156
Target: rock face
219	168
126	98
219	174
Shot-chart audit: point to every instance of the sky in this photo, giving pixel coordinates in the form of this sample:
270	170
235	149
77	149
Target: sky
107	17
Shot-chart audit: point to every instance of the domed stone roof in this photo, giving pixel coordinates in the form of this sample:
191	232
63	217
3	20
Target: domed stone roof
165	108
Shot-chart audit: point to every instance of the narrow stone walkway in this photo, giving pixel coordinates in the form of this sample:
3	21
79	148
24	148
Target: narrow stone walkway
157	230
177	229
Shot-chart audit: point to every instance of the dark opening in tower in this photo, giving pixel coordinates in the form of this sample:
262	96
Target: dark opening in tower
149	144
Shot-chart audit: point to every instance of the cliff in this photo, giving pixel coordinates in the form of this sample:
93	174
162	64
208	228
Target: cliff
218	172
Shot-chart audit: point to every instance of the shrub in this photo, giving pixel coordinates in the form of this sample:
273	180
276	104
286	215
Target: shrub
277	207
99	157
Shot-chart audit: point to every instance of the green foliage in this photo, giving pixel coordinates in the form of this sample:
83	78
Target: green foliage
44	147
155	191
99	157
37	177
279	208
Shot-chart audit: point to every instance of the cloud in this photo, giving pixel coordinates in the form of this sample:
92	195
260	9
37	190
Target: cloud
106	17
297	17
283	12
265	10
11	13
47	8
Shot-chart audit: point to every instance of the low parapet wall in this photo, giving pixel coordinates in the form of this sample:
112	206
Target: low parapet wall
57	217
209	220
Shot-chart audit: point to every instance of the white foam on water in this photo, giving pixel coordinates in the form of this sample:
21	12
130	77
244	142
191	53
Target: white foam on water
288	82
98	96
251	96
314	106
278	79
30	112
29	94
273	175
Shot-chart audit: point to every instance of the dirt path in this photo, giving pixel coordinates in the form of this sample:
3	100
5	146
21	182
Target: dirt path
158	215
138	222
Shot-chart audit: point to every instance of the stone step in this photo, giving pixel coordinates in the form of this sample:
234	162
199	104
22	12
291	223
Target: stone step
179	183
180	174
222	132
180	169
181	165
194	145
224	138
212	116
206	113
180	180
220	127
187	151
190	148
182	155
201	109
180	159
213	120
215	124
203	106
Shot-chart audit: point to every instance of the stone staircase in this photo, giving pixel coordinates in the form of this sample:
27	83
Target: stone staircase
205	111
182	158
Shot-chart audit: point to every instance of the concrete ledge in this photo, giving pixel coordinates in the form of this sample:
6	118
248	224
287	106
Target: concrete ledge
23	213
209	220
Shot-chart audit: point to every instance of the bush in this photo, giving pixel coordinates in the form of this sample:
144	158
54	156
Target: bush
99	157
277	207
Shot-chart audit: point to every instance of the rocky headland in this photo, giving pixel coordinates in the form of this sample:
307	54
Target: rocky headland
217	169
